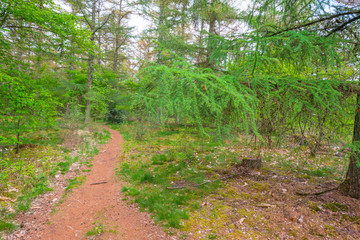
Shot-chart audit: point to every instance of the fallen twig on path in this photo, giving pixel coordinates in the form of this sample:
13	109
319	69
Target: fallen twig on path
97	183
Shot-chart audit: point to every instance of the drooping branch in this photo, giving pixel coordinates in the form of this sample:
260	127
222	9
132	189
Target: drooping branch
315	22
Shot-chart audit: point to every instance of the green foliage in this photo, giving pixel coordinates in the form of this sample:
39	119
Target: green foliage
7	226
97	230
25	107
177	164
75	182
36	187
22	170
268	85
65	165
194	96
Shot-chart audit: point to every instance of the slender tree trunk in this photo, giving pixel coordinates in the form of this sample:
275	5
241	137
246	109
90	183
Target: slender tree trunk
89	84
90	63
351	185
18	136
99	44
183	19
212	25
116	55
200	51
117	38
161	28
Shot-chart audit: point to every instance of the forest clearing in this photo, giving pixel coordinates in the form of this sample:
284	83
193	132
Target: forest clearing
179	119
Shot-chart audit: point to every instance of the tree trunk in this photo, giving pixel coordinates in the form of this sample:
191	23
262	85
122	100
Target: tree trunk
183	19
18	137
201	50
212	25
116	55
89	83
91	63
351	185
161	28
117	39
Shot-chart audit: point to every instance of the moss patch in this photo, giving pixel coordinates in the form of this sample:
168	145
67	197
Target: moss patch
336	207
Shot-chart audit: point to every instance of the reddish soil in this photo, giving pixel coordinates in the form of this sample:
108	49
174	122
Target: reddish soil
90	207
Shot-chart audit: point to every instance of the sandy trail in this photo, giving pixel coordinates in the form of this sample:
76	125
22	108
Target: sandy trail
97	207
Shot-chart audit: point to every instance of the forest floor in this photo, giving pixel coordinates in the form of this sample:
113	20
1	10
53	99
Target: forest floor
92	209
184	180
181	180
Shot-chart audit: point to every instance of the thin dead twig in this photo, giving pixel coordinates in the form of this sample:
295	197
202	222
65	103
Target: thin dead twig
318	193
97	183
205	182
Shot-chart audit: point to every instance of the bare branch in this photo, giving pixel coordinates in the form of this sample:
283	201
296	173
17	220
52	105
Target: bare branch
83	13
103	24
316	21
339	28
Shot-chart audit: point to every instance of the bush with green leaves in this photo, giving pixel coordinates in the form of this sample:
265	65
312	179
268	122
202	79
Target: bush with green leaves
25	106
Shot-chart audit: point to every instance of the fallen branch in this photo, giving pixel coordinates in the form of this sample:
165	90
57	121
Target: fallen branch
354	222
97	183
318	193
205	182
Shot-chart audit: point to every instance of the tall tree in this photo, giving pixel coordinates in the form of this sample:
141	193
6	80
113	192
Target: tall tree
329	20
29	31
88	10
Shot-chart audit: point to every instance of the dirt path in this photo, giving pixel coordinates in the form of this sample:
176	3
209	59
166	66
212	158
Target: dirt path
95	207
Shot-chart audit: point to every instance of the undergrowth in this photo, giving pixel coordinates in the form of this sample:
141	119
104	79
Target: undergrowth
168	158
157	158
26	175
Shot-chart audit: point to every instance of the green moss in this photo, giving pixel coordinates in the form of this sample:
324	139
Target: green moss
293	233
212	236
336	207
330	230
314	206
229	192
260	187
215	217
302	175
252	218
315	232
351	218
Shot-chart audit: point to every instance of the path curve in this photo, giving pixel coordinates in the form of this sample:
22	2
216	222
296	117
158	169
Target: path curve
90	206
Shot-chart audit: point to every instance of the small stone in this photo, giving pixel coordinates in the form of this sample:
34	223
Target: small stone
301	219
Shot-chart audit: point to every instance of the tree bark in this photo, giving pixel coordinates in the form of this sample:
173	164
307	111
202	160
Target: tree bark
18	137
161	28
90	63
117	39
183	19
116	55
351	185
89	83
212	25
